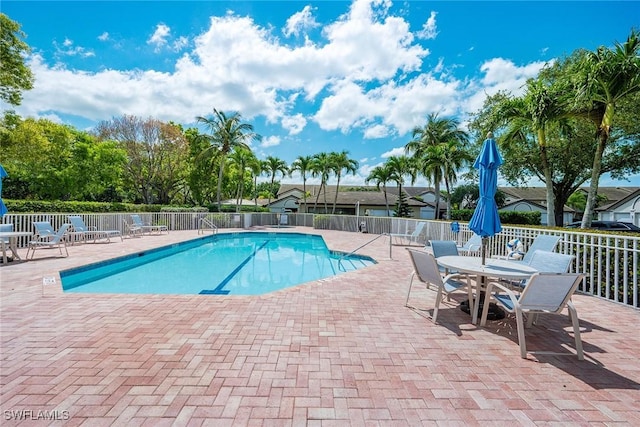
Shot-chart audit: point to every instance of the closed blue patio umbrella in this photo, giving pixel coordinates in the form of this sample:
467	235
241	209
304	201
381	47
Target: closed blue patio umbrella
3	208
485	221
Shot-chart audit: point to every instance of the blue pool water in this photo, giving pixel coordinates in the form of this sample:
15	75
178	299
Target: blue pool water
236	264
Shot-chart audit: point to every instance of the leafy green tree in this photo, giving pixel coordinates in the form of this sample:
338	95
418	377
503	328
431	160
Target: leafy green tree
435	132
272	166
15	75
341	162
156	156
302	164
226	133
380	175
607	76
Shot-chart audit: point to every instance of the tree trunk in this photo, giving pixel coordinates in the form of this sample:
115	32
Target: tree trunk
335	198
546	169
436	189
596	169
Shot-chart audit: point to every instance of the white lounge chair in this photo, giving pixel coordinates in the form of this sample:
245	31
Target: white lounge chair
44	238
145	227
542	242
426	269
411	237
543	293
473	245
84	232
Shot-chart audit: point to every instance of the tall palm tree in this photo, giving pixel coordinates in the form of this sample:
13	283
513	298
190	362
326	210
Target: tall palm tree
257	167
435	132
341	162
449	158
609	76
303	165
273	165
226	133
242	160
380	175
321	166
401	167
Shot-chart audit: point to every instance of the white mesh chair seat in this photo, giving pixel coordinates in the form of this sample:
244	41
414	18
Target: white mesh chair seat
425	268
544	293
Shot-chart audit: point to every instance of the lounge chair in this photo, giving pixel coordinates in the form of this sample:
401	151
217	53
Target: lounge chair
85	233
426	269
44	230
542	242
145	227
411	237
473	245
543	293
44	238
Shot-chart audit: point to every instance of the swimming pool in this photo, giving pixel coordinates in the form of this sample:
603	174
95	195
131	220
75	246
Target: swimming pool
245	263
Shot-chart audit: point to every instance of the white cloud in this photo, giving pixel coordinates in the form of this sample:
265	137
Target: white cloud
159	36
68	49
299	22
429	30
104	36
270	141
294	124
398	151
365	76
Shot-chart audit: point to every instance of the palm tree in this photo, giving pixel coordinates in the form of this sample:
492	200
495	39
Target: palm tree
242	159
399	168
435	132
341	162
302	164
226	133
321	166
257	167
273	165
380	175
609	76
449	158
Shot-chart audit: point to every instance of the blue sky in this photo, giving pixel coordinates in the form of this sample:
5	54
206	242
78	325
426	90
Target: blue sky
310	76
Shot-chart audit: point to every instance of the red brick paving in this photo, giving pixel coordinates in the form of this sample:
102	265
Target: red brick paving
333	352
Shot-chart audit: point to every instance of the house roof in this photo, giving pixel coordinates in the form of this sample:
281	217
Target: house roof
350	198
633	192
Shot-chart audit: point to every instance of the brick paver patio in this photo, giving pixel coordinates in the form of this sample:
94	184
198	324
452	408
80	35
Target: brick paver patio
335	352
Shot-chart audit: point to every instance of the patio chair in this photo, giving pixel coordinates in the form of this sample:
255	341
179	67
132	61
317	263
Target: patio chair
145	227
46	240
546	262
443	248
544	293
542	242
426	269
85	232
473	245
4	242
44	230
411	237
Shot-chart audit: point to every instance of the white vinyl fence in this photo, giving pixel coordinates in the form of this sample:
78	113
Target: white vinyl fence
611	262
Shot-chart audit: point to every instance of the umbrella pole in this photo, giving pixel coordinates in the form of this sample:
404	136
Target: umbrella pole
485	243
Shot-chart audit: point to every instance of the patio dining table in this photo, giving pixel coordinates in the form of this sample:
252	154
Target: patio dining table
497	268
12	237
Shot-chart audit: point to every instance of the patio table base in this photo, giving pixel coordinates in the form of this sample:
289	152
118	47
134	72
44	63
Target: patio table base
495	312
